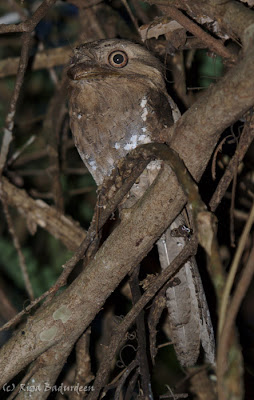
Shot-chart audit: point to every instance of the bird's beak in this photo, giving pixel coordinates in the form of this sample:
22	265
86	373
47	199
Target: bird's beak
87	71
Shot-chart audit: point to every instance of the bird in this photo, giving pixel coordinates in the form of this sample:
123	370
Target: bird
117	101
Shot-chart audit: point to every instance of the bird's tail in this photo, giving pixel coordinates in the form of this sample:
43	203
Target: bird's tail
189	323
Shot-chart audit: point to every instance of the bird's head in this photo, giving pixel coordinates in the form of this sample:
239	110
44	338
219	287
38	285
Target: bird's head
114	58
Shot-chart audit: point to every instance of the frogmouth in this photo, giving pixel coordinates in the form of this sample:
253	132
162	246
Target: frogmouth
118	100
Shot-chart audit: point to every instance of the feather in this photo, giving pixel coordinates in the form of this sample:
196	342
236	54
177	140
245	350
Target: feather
188	315
206	328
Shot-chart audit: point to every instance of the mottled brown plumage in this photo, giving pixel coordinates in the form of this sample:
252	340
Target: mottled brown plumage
118	100
114	109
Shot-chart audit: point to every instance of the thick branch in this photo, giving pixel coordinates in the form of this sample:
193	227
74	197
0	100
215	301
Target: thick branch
232	16
196	134
45	59
40	213
74	309
46	369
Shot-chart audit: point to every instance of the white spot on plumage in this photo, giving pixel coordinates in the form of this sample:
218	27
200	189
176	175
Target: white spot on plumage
128	146
132	143
79	116
143	102
154	165
144	114
143	105
144	139
92	164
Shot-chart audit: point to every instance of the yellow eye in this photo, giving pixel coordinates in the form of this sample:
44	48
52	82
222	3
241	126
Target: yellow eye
118	59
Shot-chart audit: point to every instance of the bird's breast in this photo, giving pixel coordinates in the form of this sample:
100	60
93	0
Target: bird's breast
109	121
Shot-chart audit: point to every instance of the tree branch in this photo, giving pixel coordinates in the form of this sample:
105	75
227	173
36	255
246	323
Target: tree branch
212	43
9	121
232	16
196	134
246	138
44	59
40	213
29	24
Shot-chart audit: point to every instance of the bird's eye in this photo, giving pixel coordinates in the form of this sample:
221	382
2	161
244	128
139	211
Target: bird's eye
118	59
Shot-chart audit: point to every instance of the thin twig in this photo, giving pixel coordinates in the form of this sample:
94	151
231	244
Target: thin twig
134	20
216	151
39	213
83	373
233	269
22	262
232	311
9	121
131	386
246	138
140	12
123	378
232	208
18	153
29	24
141	337
26	310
